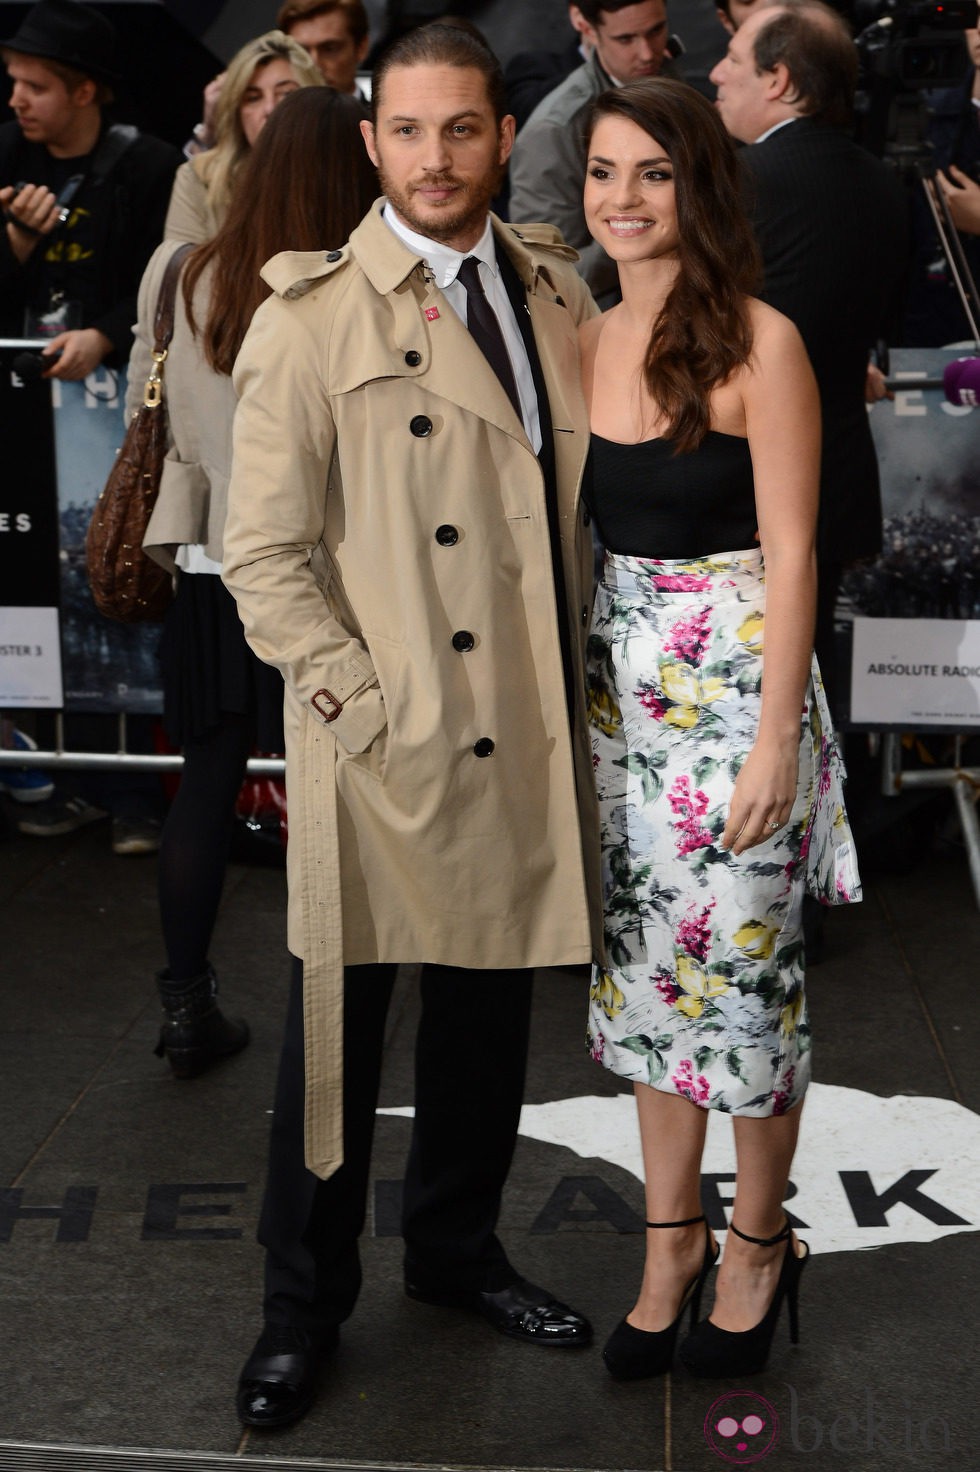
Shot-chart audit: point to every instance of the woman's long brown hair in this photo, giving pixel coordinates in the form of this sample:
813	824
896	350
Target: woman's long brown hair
702	333
307	182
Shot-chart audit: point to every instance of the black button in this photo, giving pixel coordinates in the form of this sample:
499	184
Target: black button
484	747
413	359
463	641
447	536
420	426
334	255
586	519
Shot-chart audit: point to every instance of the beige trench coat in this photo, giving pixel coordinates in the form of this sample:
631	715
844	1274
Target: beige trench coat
384	498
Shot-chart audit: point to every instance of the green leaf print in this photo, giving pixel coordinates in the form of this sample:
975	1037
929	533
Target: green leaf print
656	1068
703	1056
638	1043
733	1062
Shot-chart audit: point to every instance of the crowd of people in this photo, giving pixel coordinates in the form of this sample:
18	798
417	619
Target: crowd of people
401	425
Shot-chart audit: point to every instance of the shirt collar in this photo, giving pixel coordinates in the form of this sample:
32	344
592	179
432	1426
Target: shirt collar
442	260
775	129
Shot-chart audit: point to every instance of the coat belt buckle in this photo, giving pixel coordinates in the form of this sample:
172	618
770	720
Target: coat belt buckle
335	706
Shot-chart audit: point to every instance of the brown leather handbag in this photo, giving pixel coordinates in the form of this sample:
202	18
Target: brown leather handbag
126	584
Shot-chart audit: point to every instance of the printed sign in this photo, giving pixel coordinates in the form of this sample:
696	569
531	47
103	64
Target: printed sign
916	671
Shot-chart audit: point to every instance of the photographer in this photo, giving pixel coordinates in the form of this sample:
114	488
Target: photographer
84	203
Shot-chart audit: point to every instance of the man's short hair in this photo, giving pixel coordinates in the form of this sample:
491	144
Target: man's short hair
813	42
442	45
352	10
593	9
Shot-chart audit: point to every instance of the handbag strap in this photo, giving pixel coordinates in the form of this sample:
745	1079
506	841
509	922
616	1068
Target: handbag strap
163	323
163	326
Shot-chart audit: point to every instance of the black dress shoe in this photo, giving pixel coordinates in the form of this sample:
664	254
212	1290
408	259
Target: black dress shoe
521	1311
279	1382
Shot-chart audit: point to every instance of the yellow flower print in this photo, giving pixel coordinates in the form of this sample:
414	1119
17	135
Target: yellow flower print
603	711
698	986
687	692
756	940
789	1017
750	633
607	994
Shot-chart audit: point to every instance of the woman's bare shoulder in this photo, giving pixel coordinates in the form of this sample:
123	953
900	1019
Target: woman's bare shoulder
772	331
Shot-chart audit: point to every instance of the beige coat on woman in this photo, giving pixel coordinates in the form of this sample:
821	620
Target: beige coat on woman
384	499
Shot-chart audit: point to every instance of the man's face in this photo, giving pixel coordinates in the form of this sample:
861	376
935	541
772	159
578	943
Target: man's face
737	14
439	150
43	106
333	48
744	94
630	42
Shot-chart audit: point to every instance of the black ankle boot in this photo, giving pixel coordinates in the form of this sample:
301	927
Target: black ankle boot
195	1032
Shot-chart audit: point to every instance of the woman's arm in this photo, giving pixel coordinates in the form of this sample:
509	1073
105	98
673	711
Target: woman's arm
782	419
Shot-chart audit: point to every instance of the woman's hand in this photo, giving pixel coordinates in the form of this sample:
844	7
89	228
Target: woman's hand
765	792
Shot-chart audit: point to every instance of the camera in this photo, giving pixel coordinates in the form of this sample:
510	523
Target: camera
912	43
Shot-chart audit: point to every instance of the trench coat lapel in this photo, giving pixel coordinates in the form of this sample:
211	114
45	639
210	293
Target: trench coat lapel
452	366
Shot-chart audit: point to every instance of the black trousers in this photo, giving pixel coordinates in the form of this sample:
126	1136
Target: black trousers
470	1064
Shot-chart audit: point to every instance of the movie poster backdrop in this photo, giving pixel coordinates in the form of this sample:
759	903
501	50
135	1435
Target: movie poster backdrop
915	659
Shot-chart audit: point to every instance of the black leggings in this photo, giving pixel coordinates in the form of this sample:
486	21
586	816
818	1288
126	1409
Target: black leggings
195	841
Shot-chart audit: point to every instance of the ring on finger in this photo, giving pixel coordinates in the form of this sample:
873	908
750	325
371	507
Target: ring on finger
773	826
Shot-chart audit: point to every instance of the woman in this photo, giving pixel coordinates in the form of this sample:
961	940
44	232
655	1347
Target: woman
705	422
259	76
305	186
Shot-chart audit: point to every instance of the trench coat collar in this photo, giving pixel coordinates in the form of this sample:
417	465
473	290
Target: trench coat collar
461	375
387	261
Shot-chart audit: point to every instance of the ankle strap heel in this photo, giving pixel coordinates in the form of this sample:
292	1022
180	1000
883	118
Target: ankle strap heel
689	1221
781	1236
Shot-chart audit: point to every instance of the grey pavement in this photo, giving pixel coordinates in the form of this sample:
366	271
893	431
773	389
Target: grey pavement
129	1274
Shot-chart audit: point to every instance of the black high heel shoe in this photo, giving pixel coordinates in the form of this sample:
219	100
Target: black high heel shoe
713	1353
639	1354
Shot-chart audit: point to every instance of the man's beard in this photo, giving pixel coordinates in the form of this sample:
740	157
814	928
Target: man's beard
447	221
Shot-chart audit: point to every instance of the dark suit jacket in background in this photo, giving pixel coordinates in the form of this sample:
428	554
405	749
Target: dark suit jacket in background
831	221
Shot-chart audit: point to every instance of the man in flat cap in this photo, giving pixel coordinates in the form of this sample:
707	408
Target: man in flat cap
83	201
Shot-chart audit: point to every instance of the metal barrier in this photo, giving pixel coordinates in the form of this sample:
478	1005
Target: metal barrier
121	760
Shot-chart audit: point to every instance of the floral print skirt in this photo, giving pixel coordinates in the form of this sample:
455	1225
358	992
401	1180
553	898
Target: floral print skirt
702	994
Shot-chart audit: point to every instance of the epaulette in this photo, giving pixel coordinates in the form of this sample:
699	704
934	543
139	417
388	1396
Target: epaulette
292	273
546	236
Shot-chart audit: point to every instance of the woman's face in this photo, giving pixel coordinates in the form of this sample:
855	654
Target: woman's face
630	207
270	83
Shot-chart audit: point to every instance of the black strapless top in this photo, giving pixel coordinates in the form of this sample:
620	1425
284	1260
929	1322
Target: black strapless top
649	502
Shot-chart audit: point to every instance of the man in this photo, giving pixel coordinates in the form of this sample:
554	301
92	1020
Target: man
831	224
84	203
405	544
547	170
334	32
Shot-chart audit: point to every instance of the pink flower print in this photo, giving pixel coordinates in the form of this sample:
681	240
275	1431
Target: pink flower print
666	986
694	931
684	1081
688	638
597	1046
781	1096
689	809
652	703
680	582
824	765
